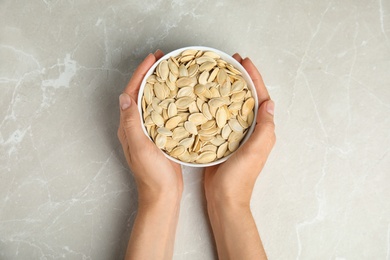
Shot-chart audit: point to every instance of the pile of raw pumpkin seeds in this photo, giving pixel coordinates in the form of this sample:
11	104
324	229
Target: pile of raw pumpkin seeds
197	107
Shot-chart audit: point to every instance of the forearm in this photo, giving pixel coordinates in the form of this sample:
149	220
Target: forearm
235	232
154	229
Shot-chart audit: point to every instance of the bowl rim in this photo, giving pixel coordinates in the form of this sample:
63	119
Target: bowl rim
225	57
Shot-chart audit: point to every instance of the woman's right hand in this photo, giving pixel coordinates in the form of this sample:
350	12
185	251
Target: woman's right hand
156	176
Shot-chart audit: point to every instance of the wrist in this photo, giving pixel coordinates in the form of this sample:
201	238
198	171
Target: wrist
159	200
227	200
228	207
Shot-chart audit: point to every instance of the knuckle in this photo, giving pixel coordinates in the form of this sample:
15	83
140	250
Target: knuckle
128	122
268	132
273	138
121	135
268	128
118	134
270	125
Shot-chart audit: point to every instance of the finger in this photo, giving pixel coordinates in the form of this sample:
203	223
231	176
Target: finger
131	122
134	84
237	57
176	167
263	138
261	90
158	54
124	143
121	134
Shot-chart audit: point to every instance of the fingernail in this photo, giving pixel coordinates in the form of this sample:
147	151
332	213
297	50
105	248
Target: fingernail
157	51
124	101
270	107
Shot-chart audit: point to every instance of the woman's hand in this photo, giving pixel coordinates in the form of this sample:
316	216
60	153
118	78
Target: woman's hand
154	173
228	186
159	180
233	180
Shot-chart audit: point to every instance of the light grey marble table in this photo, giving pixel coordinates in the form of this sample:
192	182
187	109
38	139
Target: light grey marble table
65	189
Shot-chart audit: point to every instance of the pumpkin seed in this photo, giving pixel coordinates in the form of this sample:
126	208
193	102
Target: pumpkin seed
221	117
163	70
164	131
247	107
191	127
173	122
206	157
197	118
157	119
222	150
161	140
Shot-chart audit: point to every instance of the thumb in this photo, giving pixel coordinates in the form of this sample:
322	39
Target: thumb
131	120
263	136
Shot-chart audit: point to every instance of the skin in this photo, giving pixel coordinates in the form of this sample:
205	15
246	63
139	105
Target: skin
228	186
159	183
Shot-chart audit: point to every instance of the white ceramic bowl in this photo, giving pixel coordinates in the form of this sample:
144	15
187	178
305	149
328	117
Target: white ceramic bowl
225	57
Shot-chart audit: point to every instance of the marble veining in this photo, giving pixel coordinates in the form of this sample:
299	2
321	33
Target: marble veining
65	189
